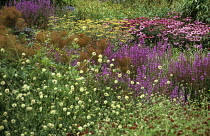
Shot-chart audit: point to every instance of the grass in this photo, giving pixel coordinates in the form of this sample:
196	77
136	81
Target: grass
84	89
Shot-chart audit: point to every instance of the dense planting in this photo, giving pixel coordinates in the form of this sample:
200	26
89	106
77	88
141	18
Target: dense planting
108	76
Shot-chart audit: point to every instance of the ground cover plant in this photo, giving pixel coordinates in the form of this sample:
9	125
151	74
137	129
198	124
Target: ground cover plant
104	75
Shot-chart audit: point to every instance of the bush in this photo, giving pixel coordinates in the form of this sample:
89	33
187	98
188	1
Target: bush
35	12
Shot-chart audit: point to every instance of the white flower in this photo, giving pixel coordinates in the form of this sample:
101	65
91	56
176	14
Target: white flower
29	108
1	128
54	81
142	96
7	90
100	56
34	78
50	125
106	94
76	39
68	113
108	61
58	74
23	54
2	50
115	81
43	70
27	61
160	67
142	87
100	60
94	53
126	97
156	81
105	102
128	72
81	89
14	105
132	82
88	117
26	87
64	109
60	125
78	63
80	128
33	101
168	82
13	121
3	83
119	75
80	102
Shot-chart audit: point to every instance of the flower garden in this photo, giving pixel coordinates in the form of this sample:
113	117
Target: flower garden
103	68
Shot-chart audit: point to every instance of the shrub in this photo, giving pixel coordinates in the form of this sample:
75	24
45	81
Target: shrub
35	12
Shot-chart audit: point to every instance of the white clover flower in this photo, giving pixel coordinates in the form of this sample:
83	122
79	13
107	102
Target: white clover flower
34	78
115	81
23	54
13	121
1	128
126	97
142	87
171	75
43	70
81	89
168	82
106	94
142	96
40	109
117	113
80	128
118	97
118	106
156	81
94	53
137	83
84	27
58	75
44	127
3	83
7	90
27	61
107	61
119	75
33	101
105	102
64	109
80	102
111	65
76	39
68	113
14	105
60	125
81	71
132	82
45	87
61	103
88	117
2	50
53	74
120	126
128	72
96	70
54	81
5	113
29	108
50	125
32	133
100	60
100	56
26	87
160	67
113	59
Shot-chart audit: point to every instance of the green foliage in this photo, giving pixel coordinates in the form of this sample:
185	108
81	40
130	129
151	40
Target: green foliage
197	9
